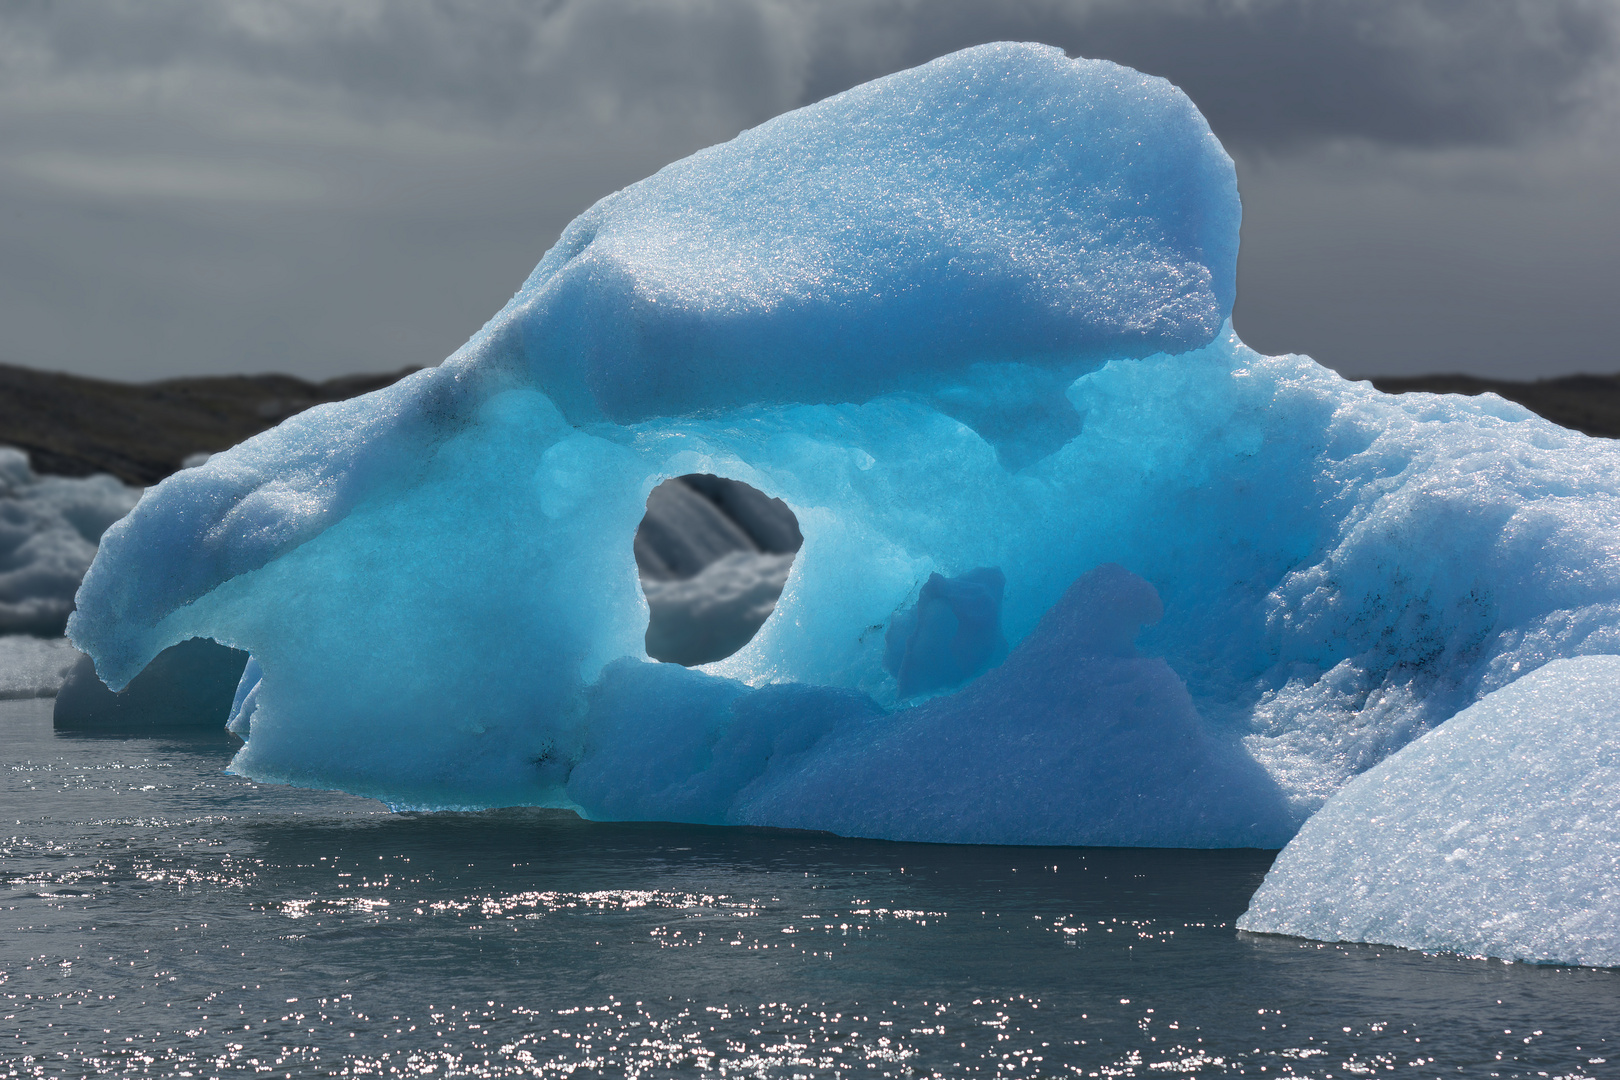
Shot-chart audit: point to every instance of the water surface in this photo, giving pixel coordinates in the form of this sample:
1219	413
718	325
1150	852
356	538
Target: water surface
164	919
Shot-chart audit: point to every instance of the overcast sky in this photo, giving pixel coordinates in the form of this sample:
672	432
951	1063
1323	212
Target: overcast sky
330	186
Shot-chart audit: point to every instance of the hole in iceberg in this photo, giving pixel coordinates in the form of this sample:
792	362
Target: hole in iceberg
713	555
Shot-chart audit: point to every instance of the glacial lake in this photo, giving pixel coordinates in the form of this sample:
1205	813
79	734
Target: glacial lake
162	918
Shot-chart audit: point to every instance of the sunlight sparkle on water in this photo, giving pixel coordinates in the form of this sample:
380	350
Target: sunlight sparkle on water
164	919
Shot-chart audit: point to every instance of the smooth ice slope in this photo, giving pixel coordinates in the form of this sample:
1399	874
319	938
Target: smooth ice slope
1497	834
1075	739
438	585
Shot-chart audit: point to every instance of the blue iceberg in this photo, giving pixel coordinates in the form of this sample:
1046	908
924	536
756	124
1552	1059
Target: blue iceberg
1078	566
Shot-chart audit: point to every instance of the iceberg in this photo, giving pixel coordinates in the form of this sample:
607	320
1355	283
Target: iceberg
33	667
1495	834
1077	565
49	529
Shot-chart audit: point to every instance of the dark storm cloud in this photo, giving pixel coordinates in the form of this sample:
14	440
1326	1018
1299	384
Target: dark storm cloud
1273	73
448	61
323	186
1267	72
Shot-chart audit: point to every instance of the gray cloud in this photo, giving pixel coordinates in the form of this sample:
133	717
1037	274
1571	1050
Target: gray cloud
1267	72
456	62
1274	73
320	187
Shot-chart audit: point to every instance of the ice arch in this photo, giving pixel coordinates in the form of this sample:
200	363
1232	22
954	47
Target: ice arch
970	316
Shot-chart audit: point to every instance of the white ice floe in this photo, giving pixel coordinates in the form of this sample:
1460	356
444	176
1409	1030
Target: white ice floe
1496	834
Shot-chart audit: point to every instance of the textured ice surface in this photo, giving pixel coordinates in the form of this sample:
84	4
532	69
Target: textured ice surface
967	317
1497	834
1004	203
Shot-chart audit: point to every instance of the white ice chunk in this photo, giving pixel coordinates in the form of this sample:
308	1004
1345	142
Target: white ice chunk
34	666
49	528
1496	834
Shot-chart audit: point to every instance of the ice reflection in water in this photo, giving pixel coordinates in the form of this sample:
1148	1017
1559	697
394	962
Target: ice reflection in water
164	919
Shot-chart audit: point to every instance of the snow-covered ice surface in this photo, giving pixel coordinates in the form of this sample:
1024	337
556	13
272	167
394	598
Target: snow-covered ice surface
1497	834
973	316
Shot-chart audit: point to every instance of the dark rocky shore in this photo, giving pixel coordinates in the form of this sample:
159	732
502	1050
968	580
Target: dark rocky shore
141	432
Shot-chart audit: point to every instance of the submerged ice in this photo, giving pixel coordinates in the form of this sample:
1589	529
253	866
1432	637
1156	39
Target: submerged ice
1077	566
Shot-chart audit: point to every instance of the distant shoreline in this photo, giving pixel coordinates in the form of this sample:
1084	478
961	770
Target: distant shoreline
141	432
